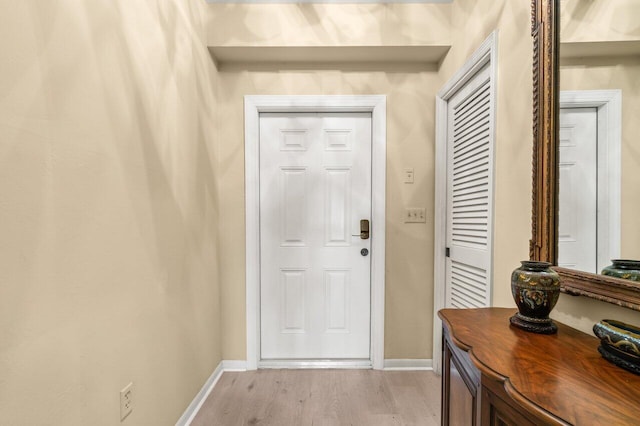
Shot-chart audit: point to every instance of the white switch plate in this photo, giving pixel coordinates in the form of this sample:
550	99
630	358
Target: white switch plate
126	401
408	175
415	215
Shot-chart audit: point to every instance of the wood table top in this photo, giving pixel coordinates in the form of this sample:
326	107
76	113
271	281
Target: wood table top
560	376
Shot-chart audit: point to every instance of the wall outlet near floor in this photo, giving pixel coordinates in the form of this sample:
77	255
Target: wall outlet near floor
415	215
126	401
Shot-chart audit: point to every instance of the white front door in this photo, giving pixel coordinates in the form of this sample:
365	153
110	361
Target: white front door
315	188
578	205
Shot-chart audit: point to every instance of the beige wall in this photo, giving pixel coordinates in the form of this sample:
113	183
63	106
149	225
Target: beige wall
328	24
410	91
599	20
108	211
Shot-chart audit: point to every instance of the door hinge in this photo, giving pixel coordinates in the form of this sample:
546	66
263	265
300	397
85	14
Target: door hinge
447	252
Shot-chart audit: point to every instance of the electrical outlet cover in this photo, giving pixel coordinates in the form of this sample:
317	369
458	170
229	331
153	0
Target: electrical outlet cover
126	401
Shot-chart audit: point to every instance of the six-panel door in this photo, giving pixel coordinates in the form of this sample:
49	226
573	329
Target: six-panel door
315	188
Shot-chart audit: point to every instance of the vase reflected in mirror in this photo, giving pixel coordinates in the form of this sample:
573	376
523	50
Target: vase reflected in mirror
623	268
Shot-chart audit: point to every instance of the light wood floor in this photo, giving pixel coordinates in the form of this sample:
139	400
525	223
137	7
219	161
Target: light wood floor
323	398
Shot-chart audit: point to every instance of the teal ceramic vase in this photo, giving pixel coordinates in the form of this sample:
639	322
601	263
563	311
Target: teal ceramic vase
535	288
623	268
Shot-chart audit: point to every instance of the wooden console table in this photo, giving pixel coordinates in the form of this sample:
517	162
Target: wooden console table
495	374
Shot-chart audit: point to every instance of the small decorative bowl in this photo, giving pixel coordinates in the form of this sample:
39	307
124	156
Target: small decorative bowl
619	343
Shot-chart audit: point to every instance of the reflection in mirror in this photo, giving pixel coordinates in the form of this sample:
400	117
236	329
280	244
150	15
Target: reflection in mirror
599	153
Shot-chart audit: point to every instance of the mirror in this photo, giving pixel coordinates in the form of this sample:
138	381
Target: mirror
587	82
599	160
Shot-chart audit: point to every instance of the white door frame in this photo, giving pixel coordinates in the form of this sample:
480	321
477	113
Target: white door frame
609	109
253	106
486	53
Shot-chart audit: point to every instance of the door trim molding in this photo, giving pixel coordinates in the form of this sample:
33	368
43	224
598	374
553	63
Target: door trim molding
298	364
253	106
486	53
609	110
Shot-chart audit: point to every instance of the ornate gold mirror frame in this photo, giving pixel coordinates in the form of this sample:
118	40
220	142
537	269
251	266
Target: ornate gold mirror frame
545	18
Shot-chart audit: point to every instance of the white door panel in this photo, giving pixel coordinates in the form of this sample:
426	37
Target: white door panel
315	187
577	212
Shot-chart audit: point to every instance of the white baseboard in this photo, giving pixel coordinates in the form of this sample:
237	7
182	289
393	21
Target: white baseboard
234	365
193	408
408	364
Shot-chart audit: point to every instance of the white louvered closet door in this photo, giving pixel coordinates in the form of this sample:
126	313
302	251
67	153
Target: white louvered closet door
470	194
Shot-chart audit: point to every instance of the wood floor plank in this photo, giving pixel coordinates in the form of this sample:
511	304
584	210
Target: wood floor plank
323	398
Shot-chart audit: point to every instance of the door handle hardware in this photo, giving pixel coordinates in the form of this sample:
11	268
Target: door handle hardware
364	229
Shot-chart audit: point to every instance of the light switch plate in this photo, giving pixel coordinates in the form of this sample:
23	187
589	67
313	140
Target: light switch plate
408	175
415	215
